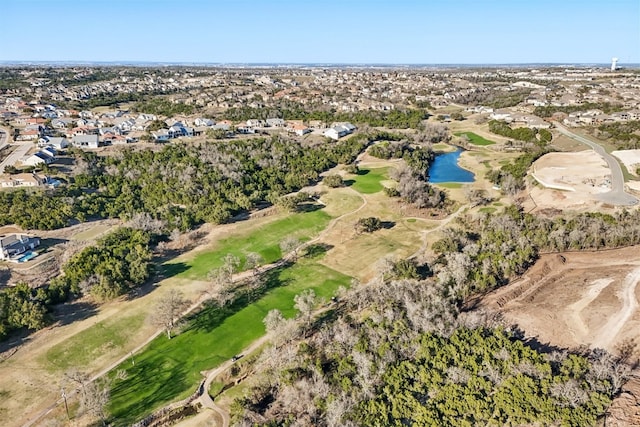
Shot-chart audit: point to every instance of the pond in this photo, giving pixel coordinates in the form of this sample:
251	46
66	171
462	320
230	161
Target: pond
445	169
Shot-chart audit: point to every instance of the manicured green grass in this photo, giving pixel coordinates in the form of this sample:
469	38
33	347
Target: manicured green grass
452	185
487	209
265	241
476	139
82	348
369	181
171	369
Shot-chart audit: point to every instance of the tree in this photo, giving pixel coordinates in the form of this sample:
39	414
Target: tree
168	310
305	302
368	225
253	261
333	181
290	245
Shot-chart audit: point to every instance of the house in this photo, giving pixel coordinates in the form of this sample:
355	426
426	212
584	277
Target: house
255	123
61	123
85	141
299	129
23	180
43	156
276	123
161	135
338	130
28	135
14	245
58	143
203	122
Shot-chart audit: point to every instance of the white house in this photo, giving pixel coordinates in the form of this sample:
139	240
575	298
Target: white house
338	130
85	141
38	158
276	122
201	121
16	244
161	135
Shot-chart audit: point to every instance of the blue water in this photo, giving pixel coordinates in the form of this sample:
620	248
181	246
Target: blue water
445	169
27	256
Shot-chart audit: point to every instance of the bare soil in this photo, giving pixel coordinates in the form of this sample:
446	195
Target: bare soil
578	299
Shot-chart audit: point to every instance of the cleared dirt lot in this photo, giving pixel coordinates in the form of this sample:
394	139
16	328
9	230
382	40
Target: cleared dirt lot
629	158
569	181
575	299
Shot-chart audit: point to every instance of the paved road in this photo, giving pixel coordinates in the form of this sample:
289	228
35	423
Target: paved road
19	152
617	196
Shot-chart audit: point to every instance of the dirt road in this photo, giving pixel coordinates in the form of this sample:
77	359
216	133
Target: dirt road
616	322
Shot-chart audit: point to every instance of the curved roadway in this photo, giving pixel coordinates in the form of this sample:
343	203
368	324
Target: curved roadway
616	196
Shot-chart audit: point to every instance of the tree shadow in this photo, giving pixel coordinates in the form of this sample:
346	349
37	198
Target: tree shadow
171	269
317	250
67	313
213	315
10	344
387	225
348	182
308	207
362	172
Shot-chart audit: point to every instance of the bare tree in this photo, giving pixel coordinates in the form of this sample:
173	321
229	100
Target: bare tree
93	395
145	222
305	302
290	245
168	310
231	264
253	261
273	320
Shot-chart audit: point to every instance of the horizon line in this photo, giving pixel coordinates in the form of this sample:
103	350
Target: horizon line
314	64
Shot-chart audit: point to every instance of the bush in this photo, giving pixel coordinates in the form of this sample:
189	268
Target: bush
333	181
368	225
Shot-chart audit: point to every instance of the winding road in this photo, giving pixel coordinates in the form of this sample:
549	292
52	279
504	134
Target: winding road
617	196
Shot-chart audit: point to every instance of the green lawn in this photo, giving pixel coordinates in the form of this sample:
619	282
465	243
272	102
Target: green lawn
82	348
265	241
476	139
369	181
171	369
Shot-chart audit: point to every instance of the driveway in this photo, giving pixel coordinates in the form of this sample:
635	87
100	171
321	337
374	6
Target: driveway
617	196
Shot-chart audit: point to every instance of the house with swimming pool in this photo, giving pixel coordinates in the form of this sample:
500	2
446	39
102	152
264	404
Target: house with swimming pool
18	247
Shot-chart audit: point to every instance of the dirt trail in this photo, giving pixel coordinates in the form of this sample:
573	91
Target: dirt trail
629	305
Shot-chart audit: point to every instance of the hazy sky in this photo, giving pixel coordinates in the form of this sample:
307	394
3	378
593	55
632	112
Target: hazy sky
327	31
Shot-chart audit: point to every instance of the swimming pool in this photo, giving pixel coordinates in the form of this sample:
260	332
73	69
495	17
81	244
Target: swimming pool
27	256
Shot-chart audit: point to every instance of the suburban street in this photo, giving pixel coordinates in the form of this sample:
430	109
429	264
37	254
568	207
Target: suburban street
21	149
617	196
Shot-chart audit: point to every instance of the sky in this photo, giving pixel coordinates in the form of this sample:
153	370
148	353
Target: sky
322	31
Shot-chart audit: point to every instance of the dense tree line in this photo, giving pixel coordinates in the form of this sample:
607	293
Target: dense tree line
400	353
34	209
624	135
118	263
550	110
395	119
492	249
520	134
180	185
492	97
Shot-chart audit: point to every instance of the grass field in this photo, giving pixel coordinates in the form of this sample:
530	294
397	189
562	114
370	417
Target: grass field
475	139
90	344
452	185
369	181
170	369
265	241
